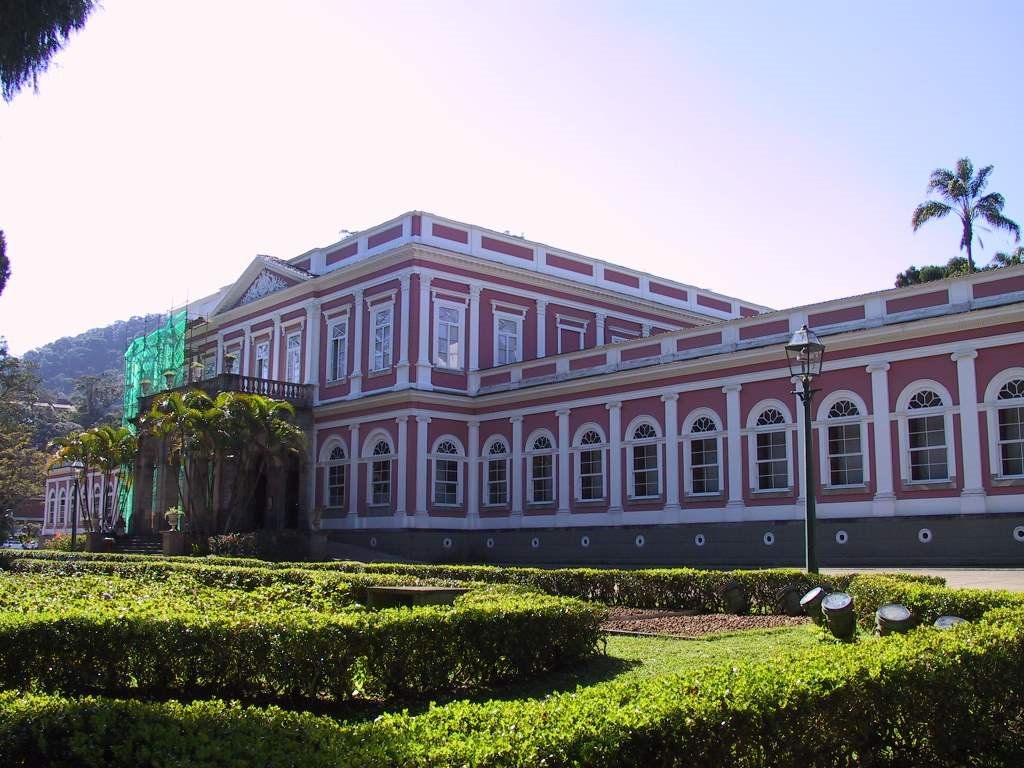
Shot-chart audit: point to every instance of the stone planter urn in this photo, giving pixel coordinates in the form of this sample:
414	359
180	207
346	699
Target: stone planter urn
173	517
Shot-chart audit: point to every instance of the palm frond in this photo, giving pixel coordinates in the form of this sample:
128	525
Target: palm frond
964	171
941	180
978	184
932	209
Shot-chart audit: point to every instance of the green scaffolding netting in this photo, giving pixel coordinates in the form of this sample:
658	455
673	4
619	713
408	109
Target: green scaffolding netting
152	363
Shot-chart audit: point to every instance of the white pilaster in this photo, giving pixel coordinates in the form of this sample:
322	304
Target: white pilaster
734	446
884	503
614	458
219	365
276	370
421	469
671	452
517	468
353	473
972	498
313	324
645	329
474	328
601	317
356	378
423	366
542	327
404	330
246	351
563	461
403	473
473	470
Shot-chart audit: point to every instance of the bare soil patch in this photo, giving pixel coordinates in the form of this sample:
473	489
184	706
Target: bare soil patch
682	624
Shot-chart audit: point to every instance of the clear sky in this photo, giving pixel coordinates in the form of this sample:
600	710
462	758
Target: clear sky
771	151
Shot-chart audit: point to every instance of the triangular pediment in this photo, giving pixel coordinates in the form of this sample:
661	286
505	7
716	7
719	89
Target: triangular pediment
264	276
266	283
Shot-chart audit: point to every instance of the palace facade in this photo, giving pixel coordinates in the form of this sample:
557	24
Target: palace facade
471	395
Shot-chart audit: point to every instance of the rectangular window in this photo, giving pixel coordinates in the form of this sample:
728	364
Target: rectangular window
446	482
508	333
704	465
262	367
380	482
209	366
845	459
448	336
542	477
338	351
772	464
336	485
928	460
1011	441
645	471
570	339
382	339
591	475
497	481
293	358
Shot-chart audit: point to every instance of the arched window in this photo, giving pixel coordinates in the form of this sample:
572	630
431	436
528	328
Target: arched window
645	470
51	509
845	444
108	502
97	500
541	455
497	474
446	473
63	508
772	458
590	466
1010	417
926	433
336	477
702	456
380	474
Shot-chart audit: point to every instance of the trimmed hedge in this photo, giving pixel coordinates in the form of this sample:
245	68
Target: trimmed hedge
926	601
294	652
929	698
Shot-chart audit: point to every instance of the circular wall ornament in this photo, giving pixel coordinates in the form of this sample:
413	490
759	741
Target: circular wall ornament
1018	533
699	540
535	542
842	537
373	541
924	535
490	543
769	539
640	540
584	541
447	543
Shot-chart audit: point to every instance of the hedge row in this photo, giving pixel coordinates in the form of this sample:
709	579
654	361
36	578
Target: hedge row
926	601
929	698
483	639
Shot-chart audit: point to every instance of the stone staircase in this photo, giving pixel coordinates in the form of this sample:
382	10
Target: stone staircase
140	545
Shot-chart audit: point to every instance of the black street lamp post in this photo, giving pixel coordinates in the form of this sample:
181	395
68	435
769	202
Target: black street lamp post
805	353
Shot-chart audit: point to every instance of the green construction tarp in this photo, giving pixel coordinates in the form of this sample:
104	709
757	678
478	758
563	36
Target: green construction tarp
157	359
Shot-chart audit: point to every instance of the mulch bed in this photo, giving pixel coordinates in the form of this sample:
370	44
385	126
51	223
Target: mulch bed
685	624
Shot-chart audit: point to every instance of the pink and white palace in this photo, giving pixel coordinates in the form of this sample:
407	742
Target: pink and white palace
477	396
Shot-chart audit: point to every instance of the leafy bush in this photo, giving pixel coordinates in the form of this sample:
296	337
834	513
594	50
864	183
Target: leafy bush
926	601
929	698
234	545
61	542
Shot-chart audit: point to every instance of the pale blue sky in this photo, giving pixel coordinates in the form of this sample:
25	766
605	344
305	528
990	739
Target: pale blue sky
772	151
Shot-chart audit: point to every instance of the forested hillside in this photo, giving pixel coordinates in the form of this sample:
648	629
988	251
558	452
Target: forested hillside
88	354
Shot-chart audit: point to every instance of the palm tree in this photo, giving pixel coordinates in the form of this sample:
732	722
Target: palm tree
1012	259
116	448
961	191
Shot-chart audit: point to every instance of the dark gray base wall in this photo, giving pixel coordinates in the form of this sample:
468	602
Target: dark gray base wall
940	541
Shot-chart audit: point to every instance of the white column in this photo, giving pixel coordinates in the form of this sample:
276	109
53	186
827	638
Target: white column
277	352
885	500
972	498
645	329
421	469
734	507
472	499
542	327
357	344
474	328
312	457
219	365
671	452
404	330
517	467
601	317
403	450
423	366
353	473
313	324
246	351
563	461
614	457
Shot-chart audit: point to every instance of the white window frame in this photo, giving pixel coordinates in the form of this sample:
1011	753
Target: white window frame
486	459
236	362
632	444
51	509
288	351
460	472
688	437
333	372
992	405
577	450
530	453
377	361
573	324
512	318
903	416
821	425
789	427
327	463
62	506
265	357
370	459
460	309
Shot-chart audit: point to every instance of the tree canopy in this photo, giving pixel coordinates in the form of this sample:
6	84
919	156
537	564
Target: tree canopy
5	263
31	33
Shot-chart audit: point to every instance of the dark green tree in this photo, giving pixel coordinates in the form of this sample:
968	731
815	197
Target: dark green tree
31	33
961	191
5	264
1012	259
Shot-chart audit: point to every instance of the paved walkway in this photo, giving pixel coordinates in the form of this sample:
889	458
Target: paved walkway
981	578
